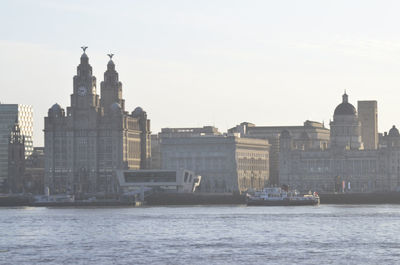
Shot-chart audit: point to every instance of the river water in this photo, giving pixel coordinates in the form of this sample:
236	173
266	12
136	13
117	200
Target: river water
325	234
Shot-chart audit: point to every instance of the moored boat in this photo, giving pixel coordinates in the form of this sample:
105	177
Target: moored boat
281	197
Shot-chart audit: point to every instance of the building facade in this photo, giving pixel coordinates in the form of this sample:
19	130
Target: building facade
226	163
34	172
346	165
311	136
368	116
11	114
95	136
16	161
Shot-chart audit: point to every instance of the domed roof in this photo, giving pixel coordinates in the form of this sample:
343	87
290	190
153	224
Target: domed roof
394	132
55	107
345	108
137	111
115	106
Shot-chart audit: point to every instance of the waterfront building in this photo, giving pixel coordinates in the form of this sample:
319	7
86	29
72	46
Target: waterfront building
16	160
139	181
311	136
389	145
173	133
95	136
368	116
227	163
346	127
10	115
345	165
34	172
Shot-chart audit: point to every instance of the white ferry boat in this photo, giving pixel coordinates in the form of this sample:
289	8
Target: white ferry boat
281	197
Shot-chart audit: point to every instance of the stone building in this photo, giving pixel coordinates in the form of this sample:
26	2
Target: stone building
226	163
368	116
345	165
95	136
346	127
16	160
389	146
311	136
156	139
34	172
11	114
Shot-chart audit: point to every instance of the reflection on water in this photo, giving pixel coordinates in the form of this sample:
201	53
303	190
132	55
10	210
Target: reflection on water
328	234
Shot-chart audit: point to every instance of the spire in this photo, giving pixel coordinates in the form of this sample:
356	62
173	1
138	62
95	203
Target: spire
84	67
111	75
84	57
345	97
110	65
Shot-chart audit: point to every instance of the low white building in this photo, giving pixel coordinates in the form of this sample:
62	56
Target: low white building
169	180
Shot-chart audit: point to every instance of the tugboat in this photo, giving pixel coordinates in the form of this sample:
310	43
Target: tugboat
281	197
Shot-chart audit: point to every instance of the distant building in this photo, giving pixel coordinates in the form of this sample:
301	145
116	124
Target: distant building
311	136
155	162
389	146
156	139
16	160
96	136
11	114
368	116
227	163
346	127
189	132
34	172
346	165
136	181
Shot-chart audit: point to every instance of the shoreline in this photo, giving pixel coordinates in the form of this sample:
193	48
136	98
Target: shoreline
188	199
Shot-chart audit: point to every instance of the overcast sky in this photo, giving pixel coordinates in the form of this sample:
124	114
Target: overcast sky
195	63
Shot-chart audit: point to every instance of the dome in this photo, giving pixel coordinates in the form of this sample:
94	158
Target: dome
137	111
55	107
345	108
115	107
56	111
394	132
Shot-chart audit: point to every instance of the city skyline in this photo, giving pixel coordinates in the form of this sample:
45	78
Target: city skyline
204	66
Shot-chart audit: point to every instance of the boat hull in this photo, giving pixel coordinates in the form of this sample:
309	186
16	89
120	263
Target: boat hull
282	202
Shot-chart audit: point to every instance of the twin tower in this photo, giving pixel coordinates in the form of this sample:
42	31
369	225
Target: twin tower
96	136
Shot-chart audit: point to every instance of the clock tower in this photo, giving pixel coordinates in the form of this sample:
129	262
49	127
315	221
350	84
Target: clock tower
84	95
96	137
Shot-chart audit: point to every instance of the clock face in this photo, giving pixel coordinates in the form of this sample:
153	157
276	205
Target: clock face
82	91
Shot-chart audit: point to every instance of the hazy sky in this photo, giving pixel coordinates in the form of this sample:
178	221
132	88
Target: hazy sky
195	63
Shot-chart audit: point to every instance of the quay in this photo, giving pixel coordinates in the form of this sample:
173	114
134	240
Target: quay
164	199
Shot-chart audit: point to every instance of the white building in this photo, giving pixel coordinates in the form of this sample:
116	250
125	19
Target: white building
167	180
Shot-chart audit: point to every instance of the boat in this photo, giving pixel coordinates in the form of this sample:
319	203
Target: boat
280	197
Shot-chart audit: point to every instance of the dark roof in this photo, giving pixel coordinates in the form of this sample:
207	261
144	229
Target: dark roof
394	132
345	108
55	107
